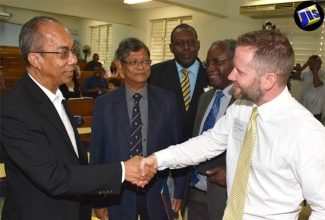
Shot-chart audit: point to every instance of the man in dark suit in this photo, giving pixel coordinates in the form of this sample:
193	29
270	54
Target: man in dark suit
45	162
112	135
207	195
167	75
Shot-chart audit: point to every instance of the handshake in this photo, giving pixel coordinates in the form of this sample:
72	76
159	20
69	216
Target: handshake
139	170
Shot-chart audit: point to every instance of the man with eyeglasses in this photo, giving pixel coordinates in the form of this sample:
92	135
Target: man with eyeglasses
135	119
47	171
206	197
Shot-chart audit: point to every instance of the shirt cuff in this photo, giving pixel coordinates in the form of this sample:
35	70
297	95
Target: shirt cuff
159	156
123	171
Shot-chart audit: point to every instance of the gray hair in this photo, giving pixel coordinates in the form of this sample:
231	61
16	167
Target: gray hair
30	39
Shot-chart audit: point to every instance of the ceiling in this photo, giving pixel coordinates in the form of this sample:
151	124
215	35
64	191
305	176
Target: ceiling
140	6
112	8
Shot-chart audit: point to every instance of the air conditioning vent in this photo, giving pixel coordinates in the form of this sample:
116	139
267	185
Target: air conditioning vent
271	8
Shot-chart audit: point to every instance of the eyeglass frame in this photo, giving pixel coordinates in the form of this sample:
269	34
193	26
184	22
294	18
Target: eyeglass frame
216	62
135	63
64	55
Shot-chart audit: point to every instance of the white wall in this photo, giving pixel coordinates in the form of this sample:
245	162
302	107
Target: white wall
209	28
9	34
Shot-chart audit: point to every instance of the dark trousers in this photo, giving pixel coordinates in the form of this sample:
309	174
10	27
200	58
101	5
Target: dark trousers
197	205
318	117
142	206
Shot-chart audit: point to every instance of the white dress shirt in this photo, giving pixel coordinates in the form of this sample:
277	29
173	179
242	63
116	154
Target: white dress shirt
224	102
56	99
288	163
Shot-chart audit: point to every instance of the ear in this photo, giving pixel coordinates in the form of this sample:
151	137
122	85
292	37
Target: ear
35	60
118	65
270	81
171	48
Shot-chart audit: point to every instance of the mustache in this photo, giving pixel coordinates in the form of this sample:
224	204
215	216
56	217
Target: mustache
214	73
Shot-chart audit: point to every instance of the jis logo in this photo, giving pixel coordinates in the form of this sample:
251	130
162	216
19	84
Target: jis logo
308	16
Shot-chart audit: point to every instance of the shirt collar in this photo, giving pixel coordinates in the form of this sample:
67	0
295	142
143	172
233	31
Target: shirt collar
130	93
273	107
58	95
194	68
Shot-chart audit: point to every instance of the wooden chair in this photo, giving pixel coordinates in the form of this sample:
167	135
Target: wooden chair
84	108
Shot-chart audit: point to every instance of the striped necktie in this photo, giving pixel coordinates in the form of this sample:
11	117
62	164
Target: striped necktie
237	199
185	85
136	128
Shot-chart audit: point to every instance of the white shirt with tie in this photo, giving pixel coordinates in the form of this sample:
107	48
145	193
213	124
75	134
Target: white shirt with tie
56	99
288	162
224	102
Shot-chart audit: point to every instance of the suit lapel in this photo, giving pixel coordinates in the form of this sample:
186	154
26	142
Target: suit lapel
201	82
175	84
153	110
204	105
47	109
120	106
204	101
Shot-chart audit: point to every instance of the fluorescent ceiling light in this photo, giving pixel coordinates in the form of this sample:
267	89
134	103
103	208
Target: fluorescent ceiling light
135	1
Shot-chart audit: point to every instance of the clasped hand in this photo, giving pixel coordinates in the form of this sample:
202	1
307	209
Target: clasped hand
136	174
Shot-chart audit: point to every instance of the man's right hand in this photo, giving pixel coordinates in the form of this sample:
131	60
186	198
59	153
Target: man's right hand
147	164
134	175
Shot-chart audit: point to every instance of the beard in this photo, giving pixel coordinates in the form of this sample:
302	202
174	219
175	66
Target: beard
251	92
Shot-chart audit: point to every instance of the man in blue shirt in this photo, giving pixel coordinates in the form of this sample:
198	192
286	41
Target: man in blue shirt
96	84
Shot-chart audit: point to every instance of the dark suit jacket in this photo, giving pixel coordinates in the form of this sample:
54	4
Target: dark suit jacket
110	141
44	175
165	75
216	195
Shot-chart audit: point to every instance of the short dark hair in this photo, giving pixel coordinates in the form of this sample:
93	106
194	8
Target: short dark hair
181	26
129	45
314	58
30	39
116	82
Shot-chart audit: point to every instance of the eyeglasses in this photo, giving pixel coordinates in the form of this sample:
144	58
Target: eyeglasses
135	63
216	62
65	53
181	43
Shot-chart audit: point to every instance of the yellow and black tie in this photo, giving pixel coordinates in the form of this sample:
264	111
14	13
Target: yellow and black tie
185	84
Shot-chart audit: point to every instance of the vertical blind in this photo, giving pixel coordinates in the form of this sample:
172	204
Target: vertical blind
160	37
304	43
101	42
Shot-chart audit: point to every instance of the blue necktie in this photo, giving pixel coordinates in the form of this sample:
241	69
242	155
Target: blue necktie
209	123
212	116
136	128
